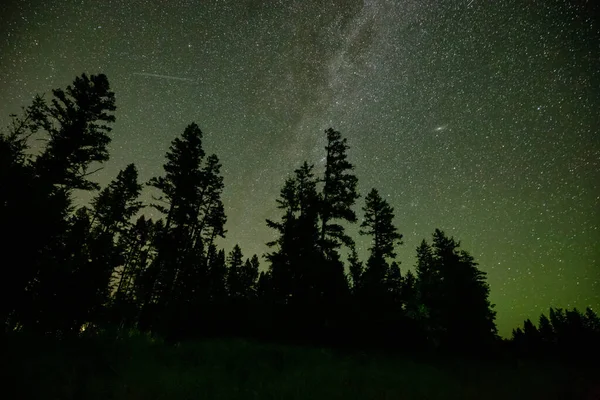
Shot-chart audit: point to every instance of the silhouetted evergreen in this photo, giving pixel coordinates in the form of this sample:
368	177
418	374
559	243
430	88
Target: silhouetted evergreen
76	123
339	193
453	292
129	284
191	201
378	223
117	204
378	294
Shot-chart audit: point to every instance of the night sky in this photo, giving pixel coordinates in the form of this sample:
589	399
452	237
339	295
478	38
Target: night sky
478	117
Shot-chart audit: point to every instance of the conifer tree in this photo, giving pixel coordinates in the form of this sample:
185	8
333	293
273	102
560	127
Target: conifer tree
191	200
378	223
128	293
181	182
77	122
592	321
295	264
546	331
339	193
393	282
235	263
210	213
116	204
449	281
409	295
249	276
356	269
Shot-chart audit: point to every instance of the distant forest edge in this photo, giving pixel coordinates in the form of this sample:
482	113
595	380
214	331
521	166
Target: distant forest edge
71	269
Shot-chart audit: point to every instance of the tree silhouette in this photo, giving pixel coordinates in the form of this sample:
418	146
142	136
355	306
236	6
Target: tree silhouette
249	277
393	283
116	204
191	200
294	265
455	295
356	270
378	292
235	263
409	296
378	223
129	288
76	121
339	193
546	332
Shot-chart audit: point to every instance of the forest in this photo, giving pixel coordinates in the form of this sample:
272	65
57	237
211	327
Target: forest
82	271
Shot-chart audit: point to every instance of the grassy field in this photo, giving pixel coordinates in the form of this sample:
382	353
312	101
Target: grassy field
140	368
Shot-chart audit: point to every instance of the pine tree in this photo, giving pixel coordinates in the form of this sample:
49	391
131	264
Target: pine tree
235	264
191	200
546	331
77	122
428	303
249	276
592	321
104	251
295	264
339	193
393	282
531	337
378	223
210	213
427	275
116	204
455	295
409	295
356	270
128	285
181	182
264	287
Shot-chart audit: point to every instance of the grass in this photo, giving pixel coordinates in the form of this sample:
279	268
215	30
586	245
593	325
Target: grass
138	367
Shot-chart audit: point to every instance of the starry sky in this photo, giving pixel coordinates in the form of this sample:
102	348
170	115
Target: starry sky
478	117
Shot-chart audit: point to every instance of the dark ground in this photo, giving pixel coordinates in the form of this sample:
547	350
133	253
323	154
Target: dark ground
138	367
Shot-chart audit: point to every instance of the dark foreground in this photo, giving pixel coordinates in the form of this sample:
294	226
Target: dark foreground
140	368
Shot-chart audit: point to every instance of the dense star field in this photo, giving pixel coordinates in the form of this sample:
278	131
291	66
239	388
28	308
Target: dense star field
480	118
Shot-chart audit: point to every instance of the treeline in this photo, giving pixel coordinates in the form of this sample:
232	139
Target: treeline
67	269
565	334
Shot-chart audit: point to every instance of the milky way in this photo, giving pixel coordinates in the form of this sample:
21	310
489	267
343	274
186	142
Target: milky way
477	117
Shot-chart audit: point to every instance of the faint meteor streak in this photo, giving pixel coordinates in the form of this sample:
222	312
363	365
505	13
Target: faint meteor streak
175	78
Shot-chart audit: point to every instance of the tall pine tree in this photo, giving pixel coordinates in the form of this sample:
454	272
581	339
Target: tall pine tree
191	201
378	223
455	295
339	193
